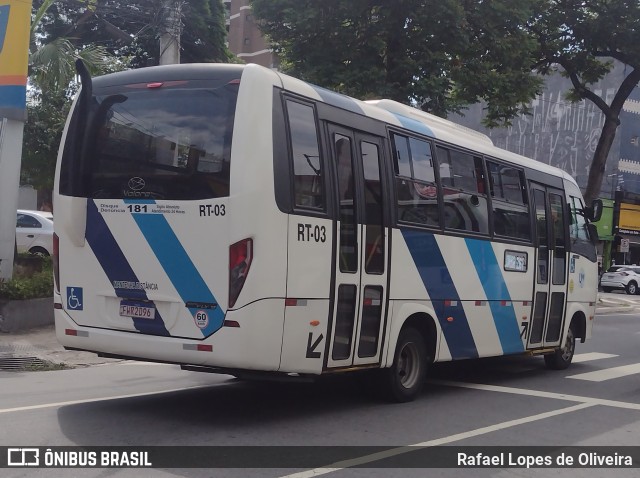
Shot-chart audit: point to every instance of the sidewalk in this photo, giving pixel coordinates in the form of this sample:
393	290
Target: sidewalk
42	343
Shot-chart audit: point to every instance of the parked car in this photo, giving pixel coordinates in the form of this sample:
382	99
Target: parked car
621	277
34	232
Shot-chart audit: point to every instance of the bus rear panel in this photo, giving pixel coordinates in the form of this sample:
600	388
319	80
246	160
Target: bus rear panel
154	253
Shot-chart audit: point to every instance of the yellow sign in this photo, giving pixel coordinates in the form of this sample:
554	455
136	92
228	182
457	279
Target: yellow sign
15	21
629	217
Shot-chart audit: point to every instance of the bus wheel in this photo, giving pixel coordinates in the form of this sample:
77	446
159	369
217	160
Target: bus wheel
405	378
562	357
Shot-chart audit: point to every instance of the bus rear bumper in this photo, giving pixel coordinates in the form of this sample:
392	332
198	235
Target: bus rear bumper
255	344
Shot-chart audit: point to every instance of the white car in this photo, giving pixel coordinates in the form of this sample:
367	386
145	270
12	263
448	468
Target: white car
34	232
623	277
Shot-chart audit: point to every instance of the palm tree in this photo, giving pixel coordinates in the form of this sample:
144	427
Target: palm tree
51	72
52	64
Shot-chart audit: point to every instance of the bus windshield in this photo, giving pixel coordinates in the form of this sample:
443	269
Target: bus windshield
160	141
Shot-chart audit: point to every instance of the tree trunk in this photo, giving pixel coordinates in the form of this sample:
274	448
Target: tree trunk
611	122
596	172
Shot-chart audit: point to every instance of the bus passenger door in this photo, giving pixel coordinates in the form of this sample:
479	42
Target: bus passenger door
550	293
360	265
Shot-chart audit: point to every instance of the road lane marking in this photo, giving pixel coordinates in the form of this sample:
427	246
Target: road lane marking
363	460
608	373
584	402
539	393
578	358
101	399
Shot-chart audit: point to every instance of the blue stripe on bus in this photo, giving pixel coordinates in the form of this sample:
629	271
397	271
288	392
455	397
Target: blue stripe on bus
495	288
430	263
179	267
117	268
414	125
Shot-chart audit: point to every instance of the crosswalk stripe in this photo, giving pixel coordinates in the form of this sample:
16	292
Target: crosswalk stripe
608	373
587	357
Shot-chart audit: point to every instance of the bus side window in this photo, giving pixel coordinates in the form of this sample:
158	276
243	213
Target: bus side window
510	210
417	191
308	173
463	191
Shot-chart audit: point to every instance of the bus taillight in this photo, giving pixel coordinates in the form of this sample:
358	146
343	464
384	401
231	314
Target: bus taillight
240	257
56	261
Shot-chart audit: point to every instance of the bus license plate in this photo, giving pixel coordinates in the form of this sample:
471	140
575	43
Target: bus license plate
137	310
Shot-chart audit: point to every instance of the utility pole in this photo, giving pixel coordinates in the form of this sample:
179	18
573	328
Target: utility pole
170	32
15	20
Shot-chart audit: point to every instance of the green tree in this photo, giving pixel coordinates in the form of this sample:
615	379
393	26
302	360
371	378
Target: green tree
441	55
42	134
52	60
580	39
51	86
132	28
436	54
204	37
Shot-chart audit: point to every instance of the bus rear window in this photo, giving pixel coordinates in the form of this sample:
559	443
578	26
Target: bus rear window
157	142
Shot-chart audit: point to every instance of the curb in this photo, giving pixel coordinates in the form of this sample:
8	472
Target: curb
21	315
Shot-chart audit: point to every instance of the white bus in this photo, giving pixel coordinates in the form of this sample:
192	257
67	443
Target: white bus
233	219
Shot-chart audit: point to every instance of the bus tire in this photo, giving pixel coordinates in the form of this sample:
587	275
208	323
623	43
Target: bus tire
405	378
562	357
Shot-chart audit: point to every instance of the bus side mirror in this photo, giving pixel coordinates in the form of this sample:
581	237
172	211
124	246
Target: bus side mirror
594	213
593	233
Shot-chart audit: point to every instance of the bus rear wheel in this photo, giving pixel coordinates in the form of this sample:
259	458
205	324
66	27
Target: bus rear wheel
405	379
562	357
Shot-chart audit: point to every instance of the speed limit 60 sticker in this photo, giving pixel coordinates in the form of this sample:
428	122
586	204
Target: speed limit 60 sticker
202	318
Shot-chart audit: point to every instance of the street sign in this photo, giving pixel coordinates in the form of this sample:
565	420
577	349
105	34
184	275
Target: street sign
624	245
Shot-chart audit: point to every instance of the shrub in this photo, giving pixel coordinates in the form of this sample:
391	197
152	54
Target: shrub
32	285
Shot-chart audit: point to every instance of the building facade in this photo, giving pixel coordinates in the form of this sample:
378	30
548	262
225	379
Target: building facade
245	38
565	134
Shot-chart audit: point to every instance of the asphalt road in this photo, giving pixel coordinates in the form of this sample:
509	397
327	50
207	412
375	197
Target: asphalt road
492	402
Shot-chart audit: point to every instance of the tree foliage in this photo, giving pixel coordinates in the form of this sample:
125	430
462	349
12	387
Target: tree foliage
42	134
52	60
443	54
580	39
436	54
132	28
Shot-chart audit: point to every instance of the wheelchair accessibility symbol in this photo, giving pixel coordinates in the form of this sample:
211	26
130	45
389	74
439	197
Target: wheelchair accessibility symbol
74	298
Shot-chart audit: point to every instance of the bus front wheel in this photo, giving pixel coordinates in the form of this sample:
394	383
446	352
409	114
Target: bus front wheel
562	357
405	378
